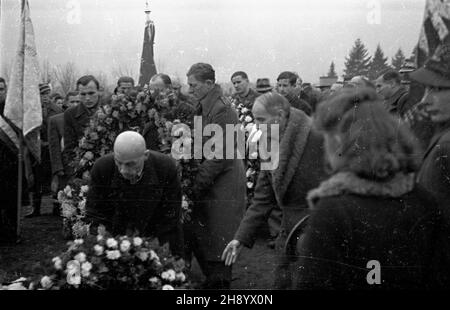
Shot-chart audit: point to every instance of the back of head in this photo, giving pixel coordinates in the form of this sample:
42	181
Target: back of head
202	72
287	75
274	102
371	143
125	79
86	79
163	77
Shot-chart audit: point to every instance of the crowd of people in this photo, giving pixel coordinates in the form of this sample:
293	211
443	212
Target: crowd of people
353	166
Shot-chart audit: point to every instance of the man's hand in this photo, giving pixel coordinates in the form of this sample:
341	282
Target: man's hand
231	252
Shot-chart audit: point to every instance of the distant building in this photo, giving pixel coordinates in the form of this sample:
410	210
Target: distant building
325	82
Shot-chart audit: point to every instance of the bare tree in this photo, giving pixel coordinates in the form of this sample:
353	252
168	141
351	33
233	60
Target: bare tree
66	76
123	70
47	72
161	66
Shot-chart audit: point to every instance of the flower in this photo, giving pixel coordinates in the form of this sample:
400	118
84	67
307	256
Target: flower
99	238
153	280
89	155
250	184
111	243
68	191
137	241
180	277
153	255
68	210
46	282
167	287
169	275
84	189
82	205
248	119
249	172
125	245
81	257
115	114
86	269
78	241
244	110
115	254
98	249
57	262
18	286
73	272
143	256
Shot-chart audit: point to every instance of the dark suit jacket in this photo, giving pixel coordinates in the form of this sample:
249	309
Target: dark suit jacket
55	137
152	206
75	120
434	174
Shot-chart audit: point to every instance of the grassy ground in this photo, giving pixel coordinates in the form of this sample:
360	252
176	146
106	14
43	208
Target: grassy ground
42	240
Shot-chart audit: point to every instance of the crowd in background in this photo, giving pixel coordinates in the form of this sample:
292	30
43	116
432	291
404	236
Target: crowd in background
364	167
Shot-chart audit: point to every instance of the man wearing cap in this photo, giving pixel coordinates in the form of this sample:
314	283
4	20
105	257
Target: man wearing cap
42	171
434	173
263	85
136	191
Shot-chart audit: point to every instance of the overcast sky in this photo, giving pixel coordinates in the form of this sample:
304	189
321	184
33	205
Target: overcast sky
261	37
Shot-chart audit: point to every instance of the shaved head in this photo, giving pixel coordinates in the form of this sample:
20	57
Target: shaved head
130	154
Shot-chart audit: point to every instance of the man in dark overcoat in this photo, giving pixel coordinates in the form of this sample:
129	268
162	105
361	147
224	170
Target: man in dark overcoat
219	191
300	168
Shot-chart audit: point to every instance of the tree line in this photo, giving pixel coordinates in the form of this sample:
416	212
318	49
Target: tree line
360	62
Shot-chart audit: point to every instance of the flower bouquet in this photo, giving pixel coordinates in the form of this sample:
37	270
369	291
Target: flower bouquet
103	262
73	209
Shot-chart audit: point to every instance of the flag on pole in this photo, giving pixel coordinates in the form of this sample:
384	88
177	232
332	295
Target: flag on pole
23	103
148	68
435	29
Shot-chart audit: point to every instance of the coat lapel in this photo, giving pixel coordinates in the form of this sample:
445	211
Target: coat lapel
292	146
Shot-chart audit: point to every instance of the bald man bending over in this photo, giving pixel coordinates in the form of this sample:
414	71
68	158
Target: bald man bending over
136	191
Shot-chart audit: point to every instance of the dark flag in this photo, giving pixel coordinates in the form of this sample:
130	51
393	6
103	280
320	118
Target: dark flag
435	29
148	68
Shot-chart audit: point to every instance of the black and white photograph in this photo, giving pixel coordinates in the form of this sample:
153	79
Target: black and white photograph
225	145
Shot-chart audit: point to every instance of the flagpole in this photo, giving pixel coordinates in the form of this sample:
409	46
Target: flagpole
20	155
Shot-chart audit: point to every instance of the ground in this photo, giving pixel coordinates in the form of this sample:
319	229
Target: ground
41	240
